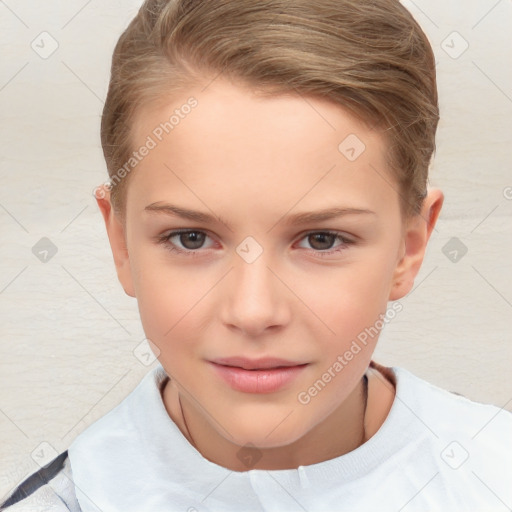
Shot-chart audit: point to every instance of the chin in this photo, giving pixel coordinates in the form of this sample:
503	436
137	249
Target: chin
265	434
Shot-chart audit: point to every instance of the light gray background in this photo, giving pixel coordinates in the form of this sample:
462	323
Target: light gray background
68	332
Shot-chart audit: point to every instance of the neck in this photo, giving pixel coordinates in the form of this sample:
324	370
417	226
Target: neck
339	433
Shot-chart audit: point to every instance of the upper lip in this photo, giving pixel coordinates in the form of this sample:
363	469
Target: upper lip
263	363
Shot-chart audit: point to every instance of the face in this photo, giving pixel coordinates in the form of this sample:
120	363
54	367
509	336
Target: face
294	249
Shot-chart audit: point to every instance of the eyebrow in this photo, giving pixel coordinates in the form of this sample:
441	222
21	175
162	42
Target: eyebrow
297	218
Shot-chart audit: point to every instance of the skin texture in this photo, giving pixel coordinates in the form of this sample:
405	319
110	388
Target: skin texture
252	161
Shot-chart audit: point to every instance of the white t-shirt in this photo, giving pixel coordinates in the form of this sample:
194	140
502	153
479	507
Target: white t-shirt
436	451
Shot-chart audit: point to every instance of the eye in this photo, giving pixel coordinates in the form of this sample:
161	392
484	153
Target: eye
184	241
190	241
322	242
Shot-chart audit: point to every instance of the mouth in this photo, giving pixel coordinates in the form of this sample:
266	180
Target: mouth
265	375
265	363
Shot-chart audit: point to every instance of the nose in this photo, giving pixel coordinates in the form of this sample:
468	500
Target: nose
254	298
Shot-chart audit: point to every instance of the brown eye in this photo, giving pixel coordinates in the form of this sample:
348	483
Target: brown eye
325	243
321	241
187	242
192	239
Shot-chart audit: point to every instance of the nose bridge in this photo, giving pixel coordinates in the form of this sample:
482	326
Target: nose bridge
254	299
253	278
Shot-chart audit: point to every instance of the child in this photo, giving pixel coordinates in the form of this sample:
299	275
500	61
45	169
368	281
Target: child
268	198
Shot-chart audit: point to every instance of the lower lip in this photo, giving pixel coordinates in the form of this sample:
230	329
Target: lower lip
258	381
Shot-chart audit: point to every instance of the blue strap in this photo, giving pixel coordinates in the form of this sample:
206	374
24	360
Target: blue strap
36	480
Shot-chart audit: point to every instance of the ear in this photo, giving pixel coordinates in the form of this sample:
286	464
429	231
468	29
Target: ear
416	235
117	238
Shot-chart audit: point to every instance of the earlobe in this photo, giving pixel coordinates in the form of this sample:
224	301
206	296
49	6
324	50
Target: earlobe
416	236
117	238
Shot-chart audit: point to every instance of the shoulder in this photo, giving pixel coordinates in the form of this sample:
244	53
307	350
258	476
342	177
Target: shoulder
465	432
452	411
49	489
447	449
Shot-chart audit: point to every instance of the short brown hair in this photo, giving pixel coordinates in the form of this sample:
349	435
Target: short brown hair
372	58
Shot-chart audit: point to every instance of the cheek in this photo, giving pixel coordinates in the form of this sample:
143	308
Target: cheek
350	299
169	299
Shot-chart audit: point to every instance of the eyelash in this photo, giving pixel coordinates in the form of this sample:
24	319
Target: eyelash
165	240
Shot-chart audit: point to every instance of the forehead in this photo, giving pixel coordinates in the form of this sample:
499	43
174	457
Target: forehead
237	148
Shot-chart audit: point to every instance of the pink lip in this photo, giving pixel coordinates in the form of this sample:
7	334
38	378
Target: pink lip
265	375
